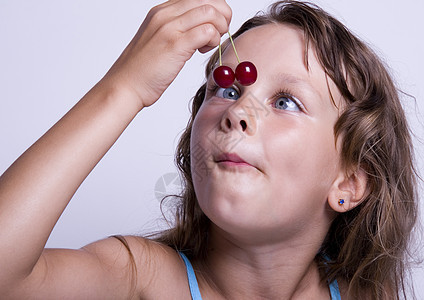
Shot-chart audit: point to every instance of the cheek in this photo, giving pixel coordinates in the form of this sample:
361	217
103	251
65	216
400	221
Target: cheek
207	118
304	160
201	159
199	150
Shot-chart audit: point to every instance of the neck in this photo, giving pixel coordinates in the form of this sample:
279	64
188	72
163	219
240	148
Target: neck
284	270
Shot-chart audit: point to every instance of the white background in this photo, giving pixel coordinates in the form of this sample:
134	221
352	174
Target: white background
53	52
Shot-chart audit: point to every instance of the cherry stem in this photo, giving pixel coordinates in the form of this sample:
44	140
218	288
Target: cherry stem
219	50
234	47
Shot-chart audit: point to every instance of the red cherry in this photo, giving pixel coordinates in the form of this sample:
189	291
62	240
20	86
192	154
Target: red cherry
246	73
224	76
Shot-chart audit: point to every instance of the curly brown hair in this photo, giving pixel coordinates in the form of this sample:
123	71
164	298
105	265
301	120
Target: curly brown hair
365	247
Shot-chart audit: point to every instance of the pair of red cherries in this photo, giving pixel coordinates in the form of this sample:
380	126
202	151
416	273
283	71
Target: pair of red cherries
246	73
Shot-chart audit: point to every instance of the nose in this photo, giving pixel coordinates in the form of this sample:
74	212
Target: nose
242	116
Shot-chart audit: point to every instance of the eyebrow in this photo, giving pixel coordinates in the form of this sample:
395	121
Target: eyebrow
289	78
299	83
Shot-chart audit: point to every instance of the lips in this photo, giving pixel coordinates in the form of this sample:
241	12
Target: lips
231	158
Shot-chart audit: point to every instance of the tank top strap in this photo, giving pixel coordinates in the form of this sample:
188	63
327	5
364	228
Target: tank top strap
192	281
333	286
334	290
195	292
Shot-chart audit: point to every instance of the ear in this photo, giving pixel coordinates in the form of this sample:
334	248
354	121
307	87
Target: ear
348	190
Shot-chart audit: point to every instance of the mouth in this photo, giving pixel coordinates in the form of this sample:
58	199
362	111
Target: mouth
231	159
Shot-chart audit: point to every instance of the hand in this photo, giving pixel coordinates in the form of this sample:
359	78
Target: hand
167	38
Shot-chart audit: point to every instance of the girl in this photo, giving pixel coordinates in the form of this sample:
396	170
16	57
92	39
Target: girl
299	186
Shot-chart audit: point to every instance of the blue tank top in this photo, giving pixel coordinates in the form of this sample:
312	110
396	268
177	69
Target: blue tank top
195	292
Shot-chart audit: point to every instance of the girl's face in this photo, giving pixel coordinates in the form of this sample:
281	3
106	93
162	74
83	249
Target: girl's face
264	156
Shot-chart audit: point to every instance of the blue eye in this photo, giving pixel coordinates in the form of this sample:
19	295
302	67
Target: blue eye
228	93
286	103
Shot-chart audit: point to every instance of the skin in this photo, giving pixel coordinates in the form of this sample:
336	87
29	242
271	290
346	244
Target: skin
36	189
277	207
290	151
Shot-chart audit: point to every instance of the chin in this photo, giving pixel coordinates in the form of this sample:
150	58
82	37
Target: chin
236	215
245	232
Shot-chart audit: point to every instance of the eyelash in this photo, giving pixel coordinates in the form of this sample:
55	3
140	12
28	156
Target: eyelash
213	88
284	92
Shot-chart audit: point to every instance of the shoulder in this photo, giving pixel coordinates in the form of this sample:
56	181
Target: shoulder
152	269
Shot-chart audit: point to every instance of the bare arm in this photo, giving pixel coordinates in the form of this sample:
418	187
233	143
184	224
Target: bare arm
35	190
37	187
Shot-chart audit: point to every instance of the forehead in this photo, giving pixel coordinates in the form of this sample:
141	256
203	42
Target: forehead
279	53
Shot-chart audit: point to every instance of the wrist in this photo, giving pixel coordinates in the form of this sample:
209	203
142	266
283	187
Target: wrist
119	95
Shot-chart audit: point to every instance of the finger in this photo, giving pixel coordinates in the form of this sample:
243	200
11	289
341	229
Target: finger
221	5
206	49
171	9
203	37
200	15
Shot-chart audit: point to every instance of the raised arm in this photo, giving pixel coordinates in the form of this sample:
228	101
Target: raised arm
37	187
